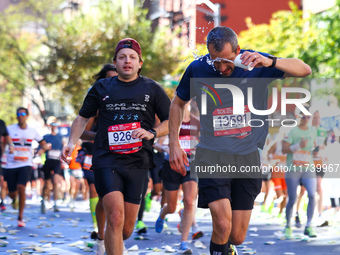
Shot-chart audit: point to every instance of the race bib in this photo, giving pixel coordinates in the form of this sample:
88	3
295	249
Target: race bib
21	154
300	158
87	162
120	139
54	154
226	123
188	143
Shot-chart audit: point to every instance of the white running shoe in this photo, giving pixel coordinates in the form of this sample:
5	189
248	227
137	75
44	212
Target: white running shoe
100	247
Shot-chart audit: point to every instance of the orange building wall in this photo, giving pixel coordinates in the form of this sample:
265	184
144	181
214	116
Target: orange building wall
236	12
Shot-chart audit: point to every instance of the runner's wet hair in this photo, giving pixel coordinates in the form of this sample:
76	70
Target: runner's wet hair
219	36
102	73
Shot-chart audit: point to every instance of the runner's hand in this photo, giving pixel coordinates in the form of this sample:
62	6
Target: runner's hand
48	146
256	59
11	149
178	159
141	133
66	153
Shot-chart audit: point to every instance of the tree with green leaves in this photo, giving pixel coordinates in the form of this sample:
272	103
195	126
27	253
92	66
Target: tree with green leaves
59	57
287	35
326	50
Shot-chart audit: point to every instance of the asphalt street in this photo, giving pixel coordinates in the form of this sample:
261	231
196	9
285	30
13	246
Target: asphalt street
68	232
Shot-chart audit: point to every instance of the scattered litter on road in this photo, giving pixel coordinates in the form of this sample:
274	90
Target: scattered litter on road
133	248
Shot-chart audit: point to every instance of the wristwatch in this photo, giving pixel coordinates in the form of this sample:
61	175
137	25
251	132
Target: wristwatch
274	60
153	132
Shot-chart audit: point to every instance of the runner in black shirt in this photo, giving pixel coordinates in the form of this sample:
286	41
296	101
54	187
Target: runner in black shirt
7	139
122	149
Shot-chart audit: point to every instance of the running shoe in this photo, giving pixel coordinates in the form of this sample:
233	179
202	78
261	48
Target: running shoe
270	208
94	235
71	204
184	247
309	231
140	225
232	250
297	221
141	228
321	222
288	233
324	224
21	223
100	247
159	227
180	224
197	235
2	207
55	208
263	208
148	200
142	231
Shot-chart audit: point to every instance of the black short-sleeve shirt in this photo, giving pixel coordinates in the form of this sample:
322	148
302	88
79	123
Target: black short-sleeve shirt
120	103
3	133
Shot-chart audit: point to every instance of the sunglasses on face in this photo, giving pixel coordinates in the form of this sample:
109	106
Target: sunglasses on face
23	114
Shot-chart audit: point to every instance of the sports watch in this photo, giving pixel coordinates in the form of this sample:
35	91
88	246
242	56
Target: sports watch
153	132
274	60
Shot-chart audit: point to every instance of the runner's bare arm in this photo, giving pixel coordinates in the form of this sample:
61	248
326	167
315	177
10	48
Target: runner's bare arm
291	148
88	134
292	67
44	145
161	130
178	156
286	147
77	129
9	141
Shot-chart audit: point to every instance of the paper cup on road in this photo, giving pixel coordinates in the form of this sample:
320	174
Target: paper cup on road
238	63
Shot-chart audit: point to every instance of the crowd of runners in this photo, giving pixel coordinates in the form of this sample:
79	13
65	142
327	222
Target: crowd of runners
130	145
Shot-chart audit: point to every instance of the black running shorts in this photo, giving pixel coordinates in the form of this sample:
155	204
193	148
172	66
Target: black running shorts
240	191
171	179
131	182
51	167
89	176
15	176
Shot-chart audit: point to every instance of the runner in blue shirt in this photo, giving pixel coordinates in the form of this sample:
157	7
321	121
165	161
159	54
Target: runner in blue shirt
230	200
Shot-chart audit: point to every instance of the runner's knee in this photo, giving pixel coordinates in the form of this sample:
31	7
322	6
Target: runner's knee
115	219
127	232
171	207
237	239
189	202
222	228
